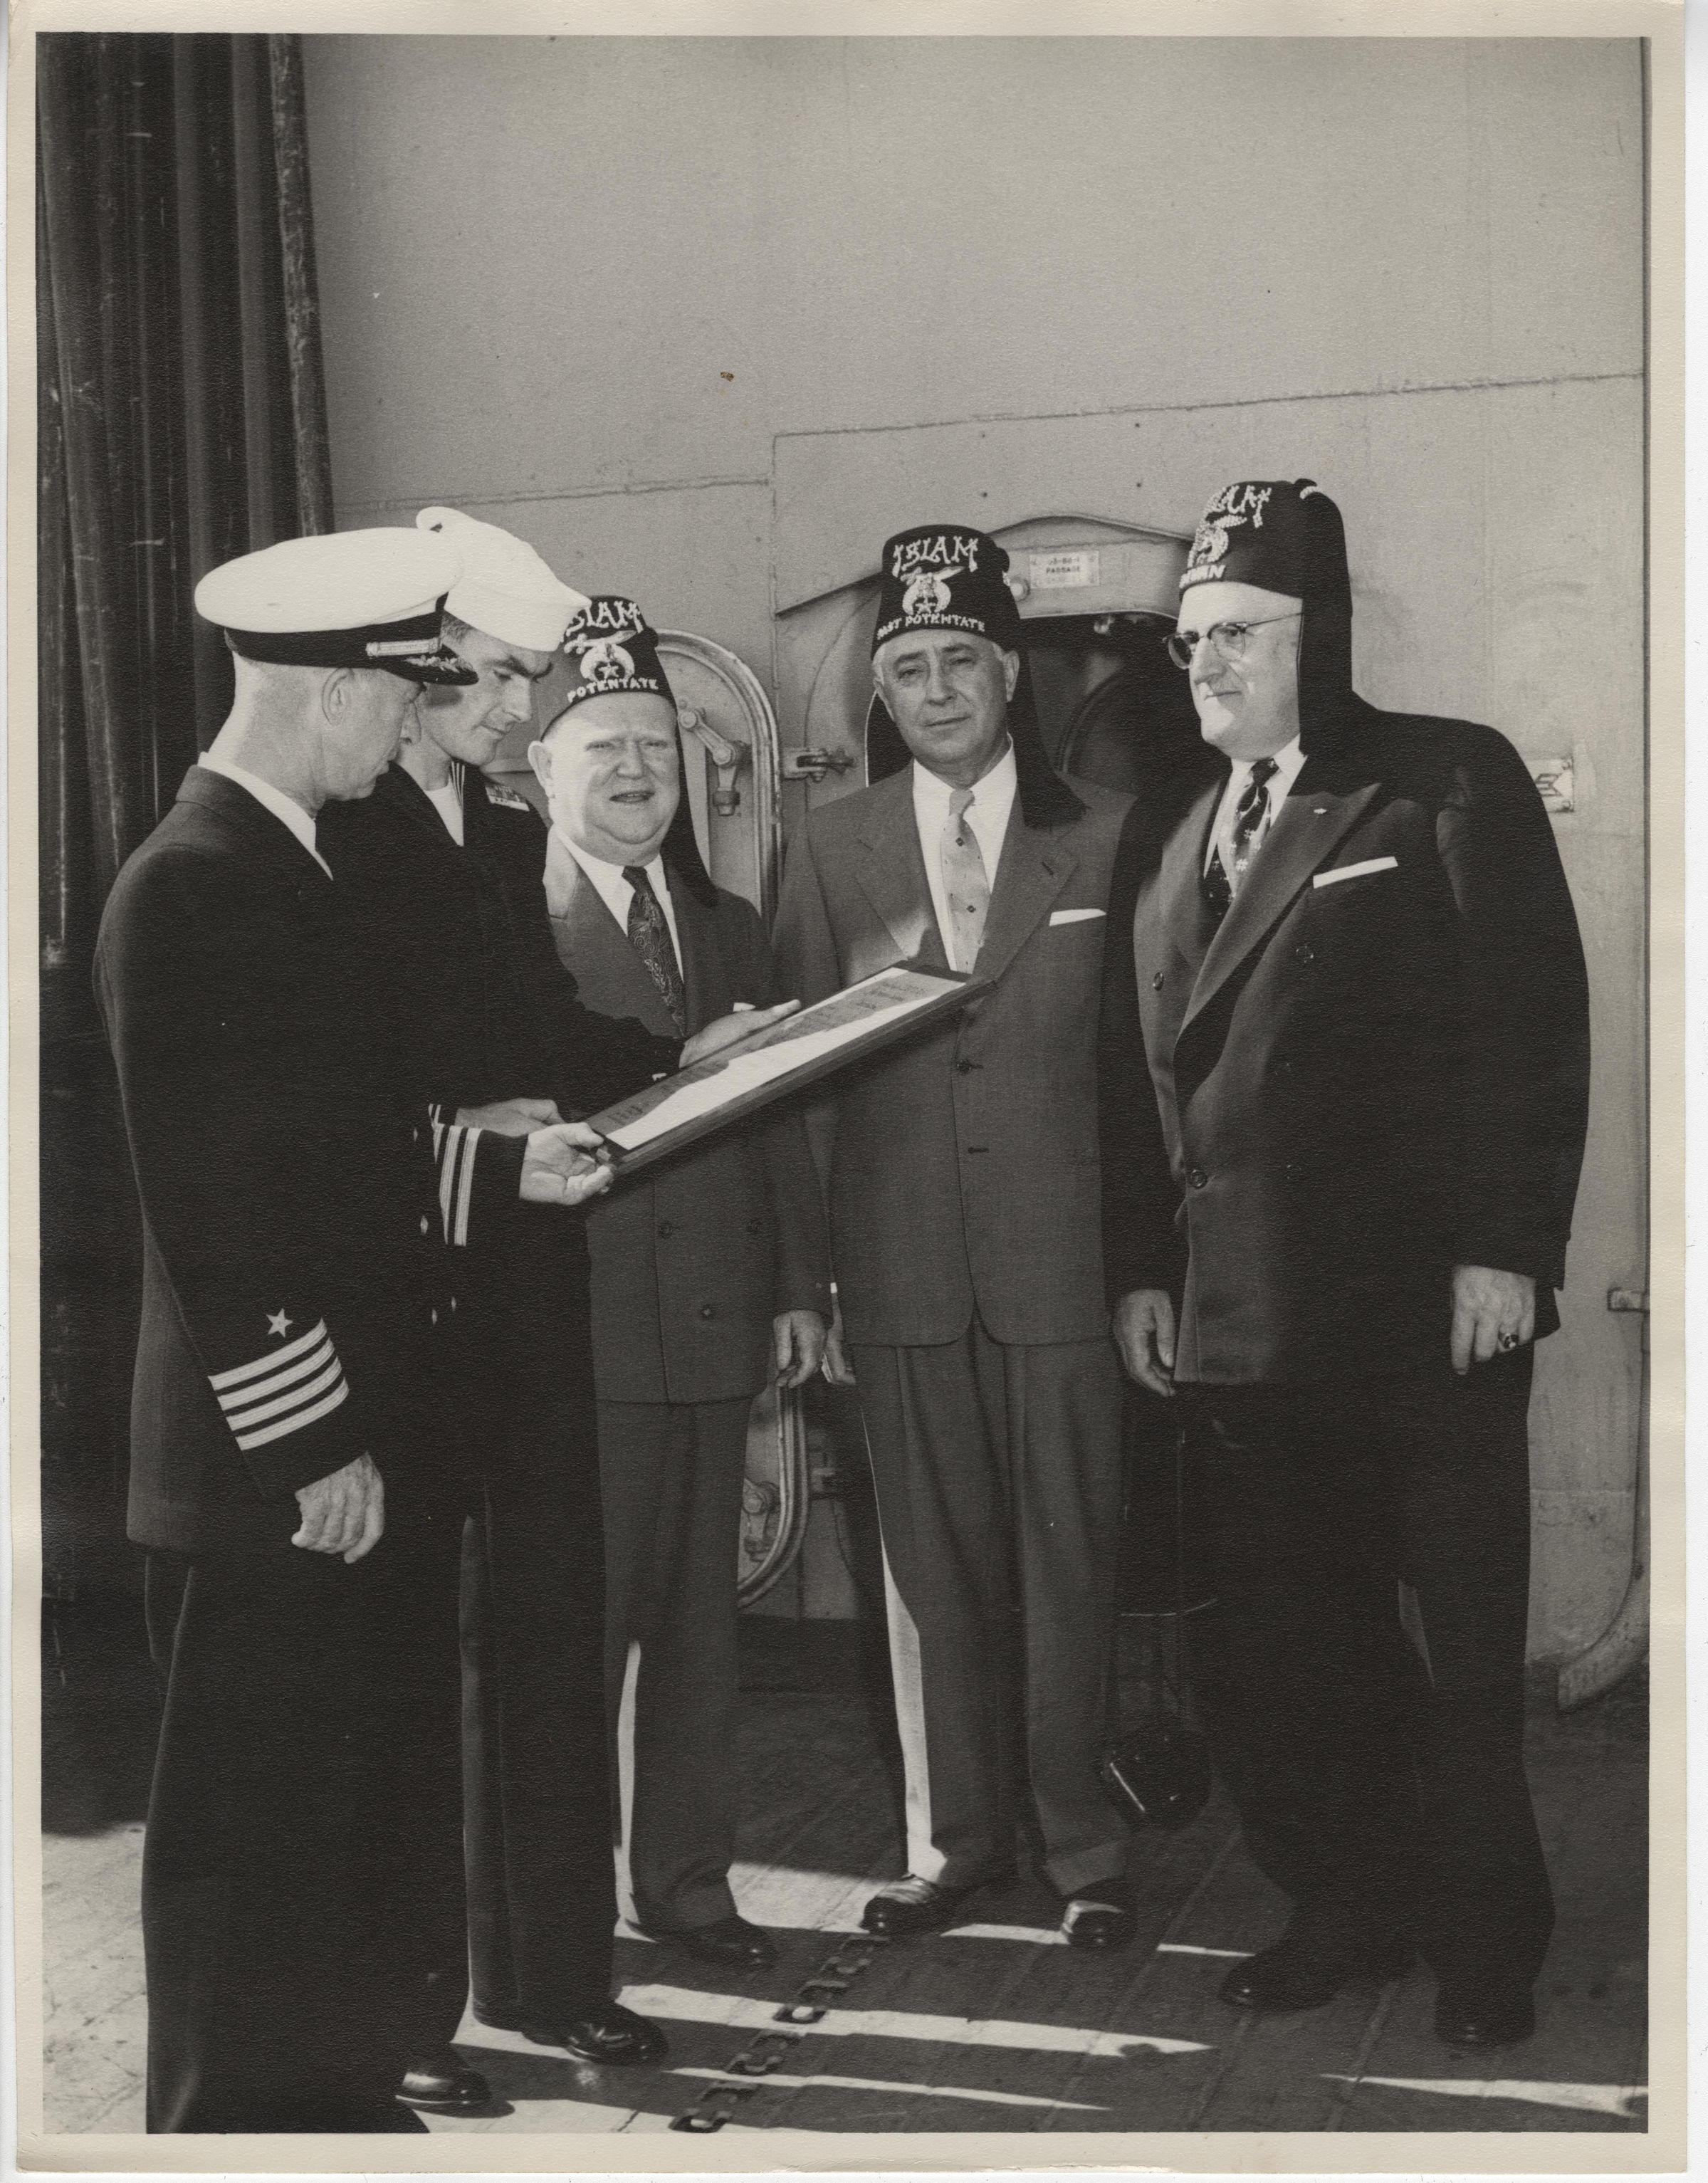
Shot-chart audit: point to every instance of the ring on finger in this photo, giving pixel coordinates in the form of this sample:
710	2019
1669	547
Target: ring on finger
1508	1340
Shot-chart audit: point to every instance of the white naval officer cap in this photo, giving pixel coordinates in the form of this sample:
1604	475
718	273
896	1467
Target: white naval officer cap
505	588
348	599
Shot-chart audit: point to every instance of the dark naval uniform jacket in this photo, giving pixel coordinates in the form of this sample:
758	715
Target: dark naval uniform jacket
516	1390
1376	1069
290	1195
692	1262
457	975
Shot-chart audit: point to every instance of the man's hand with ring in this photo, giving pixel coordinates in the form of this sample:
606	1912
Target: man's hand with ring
558	1167
1493	1313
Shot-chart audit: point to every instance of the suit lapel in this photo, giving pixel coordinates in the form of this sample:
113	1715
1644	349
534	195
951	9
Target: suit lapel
1310	825
1180	882
703	979
892	873
1031	871
594	946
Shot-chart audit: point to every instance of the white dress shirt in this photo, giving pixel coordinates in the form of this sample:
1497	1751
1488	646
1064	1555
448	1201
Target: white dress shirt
987	814
615	892
447	801
288	813
1288	761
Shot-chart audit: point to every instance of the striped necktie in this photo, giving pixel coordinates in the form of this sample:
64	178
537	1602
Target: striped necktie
649	936
1250	821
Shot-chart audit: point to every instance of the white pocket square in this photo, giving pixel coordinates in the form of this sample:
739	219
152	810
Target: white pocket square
1355	871
1072	916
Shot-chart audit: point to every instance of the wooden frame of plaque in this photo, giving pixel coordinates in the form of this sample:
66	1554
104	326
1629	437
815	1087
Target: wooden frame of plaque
834	1034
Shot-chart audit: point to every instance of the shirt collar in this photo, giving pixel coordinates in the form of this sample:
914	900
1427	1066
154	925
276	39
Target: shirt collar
931	794
1290	760
283	809
606	876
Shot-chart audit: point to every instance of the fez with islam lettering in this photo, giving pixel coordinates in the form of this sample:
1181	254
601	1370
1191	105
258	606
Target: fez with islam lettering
610	651
1285	535
347	599
944	575
505	589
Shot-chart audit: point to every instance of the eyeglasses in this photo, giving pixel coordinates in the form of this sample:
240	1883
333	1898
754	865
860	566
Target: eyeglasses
1229	638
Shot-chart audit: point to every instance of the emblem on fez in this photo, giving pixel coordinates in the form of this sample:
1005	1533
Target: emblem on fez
1211	544
926	592
606	662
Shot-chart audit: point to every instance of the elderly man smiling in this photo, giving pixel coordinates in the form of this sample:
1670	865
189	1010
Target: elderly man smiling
708	1277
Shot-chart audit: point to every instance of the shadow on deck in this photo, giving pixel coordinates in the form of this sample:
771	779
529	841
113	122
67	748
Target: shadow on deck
995	2025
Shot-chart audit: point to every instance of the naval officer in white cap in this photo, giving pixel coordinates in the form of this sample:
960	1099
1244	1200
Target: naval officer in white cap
430	859
283	1443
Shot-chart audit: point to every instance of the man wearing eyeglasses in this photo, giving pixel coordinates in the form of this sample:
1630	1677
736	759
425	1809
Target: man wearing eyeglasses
1365	1021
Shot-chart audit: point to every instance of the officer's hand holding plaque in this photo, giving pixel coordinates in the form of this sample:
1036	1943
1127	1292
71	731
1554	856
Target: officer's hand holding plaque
565	1165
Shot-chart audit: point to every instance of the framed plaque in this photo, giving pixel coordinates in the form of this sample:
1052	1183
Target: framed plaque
786	1057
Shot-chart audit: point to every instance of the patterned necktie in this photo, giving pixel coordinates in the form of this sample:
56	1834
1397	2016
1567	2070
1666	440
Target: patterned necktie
964	883
649	936
1250	818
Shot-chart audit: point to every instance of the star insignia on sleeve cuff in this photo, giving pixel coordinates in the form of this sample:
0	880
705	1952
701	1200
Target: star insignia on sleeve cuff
278	1324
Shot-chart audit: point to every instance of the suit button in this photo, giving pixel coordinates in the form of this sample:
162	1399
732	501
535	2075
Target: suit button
756	1226
667	1227
1304	953
425	1224
1294	1172
964	1069
708	1311
1196	1177
453	1303
1157	982
434	1316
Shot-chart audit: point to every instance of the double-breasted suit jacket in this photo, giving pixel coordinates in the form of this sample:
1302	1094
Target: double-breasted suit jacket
965	1167
1376	1069
691	1262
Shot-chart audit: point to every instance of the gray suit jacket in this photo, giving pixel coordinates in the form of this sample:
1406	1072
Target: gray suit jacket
965	1169
692	1262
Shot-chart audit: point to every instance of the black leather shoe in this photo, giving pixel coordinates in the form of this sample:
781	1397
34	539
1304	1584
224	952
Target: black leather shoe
731	1942
1483	2017
444	2083
910	1906
605	2032
1101	1914
1304	1972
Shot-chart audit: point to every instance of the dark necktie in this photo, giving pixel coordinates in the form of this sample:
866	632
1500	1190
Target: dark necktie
649	936
1250	817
